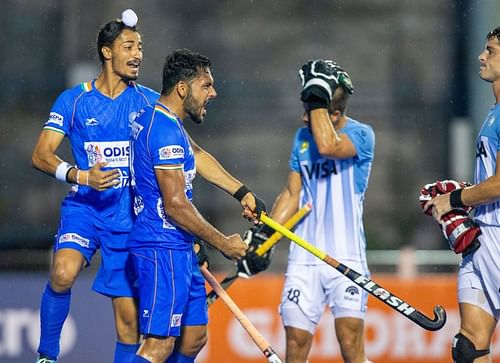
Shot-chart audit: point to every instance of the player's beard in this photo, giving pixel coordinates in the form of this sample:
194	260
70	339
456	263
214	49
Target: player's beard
193	109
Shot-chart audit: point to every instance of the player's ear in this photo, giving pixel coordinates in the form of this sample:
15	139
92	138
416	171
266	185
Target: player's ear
106	52
335	115
182	89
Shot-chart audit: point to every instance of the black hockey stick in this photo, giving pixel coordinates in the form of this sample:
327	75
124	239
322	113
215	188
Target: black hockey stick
373	288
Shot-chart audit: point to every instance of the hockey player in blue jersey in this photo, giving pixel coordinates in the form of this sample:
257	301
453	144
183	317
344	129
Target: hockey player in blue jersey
479	273
330	165
164	162
96	117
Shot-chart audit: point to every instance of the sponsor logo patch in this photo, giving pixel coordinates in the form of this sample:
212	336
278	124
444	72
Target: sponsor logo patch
56	118
75	238
171	152
115	153
176	320
352	293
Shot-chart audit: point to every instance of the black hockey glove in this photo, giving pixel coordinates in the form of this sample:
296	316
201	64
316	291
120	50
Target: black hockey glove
319	79
201	252
252	263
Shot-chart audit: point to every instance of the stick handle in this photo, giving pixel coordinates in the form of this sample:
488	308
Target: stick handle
256	336
228	281
276	236
292	236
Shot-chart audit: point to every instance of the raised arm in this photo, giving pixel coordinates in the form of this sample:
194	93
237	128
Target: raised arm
213	172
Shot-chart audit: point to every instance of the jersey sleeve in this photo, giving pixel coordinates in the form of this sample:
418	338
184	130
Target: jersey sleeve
363	139
60	114
166	144
294	158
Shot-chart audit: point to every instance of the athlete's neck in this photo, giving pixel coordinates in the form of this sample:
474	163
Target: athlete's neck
496	91
110	84
174	105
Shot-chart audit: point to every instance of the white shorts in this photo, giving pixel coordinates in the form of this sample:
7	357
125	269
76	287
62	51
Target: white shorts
308	288
479	274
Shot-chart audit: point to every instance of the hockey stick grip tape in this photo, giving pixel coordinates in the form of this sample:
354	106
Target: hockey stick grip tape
276	236
292	236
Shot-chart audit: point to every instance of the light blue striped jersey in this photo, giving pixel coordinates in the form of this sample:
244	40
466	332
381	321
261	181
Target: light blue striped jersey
98	128
487	146
158	141
336	189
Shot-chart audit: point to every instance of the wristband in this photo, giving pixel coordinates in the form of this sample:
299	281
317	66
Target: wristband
62	171
241	192
456	199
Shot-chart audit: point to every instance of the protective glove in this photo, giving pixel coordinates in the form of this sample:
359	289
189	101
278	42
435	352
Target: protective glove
458	228
201	252
252	263
319	79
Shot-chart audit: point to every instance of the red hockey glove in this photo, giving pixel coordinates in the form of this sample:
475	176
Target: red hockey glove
458	228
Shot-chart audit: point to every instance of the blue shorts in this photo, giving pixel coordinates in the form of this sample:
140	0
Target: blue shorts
171	290
115	275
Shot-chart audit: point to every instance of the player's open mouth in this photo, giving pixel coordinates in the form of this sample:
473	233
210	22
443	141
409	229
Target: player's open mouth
134	65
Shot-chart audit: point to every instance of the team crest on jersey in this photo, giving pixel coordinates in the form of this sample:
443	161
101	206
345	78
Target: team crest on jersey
176	320
115	153
75	238
56	118
171	152
304	147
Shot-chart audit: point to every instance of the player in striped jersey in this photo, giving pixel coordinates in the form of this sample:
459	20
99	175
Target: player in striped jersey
479	274
164	162
97	213
330	164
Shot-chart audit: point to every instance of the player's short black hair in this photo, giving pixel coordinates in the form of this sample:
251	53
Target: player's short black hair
495	33
182	65
339	101
108	33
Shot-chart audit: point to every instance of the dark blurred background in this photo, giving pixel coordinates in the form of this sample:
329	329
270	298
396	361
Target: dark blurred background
413	63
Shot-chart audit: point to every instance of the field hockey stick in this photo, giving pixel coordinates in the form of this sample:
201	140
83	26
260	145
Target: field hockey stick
370	286
262	249
252	331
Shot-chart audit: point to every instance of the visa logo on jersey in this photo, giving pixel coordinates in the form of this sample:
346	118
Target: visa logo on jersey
115	153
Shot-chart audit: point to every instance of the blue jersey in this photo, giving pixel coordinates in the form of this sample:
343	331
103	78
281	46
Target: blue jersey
336	189
487	147
158	140
98	128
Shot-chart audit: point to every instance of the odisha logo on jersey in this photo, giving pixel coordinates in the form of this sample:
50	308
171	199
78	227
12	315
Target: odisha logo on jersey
115	153
94	154
171	152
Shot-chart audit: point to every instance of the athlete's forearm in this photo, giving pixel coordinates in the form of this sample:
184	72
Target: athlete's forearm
186	216
482	193
213	172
